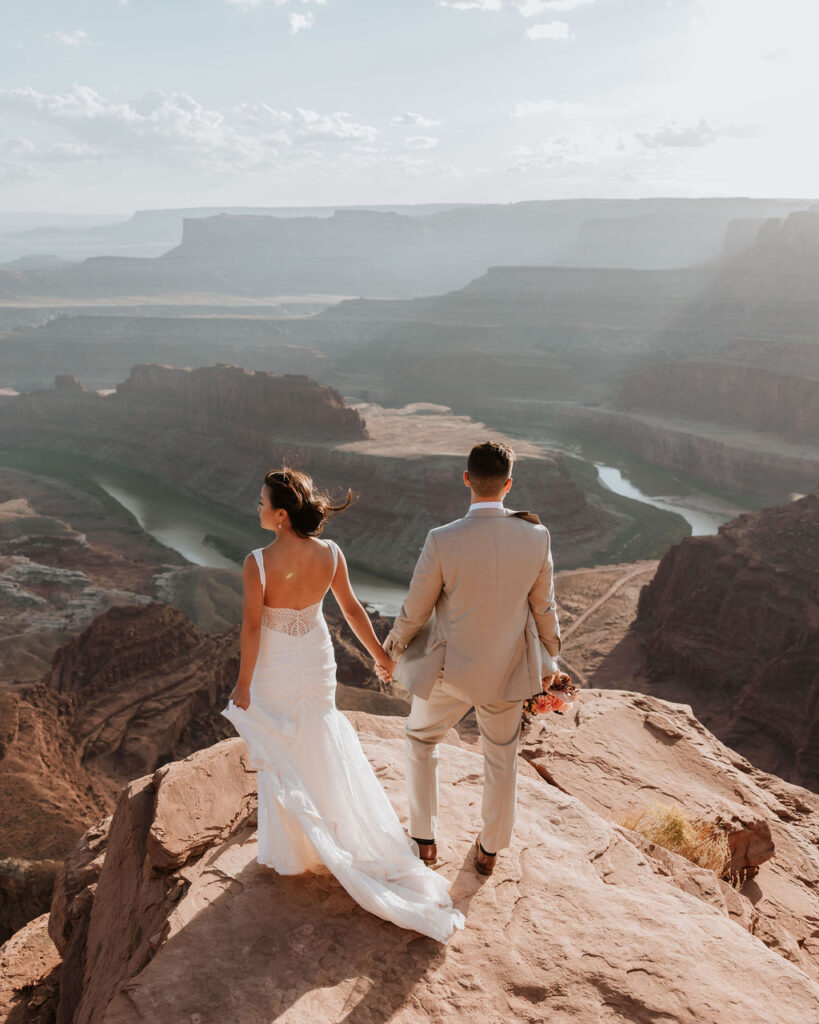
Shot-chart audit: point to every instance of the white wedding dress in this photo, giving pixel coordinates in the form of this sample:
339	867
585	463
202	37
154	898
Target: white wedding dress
319	799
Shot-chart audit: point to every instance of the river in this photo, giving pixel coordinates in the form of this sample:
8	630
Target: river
184	523
631	477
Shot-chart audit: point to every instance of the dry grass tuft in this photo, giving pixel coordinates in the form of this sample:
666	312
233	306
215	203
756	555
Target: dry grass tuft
701	841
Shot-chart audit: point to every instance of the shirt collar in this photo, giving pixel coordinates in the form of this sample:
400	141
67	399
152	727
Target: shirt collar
486	504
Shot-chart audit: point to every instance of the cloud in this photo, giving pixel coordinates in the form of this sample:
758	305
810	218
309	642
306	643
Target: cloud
300	22
174	137
302	125
586	146
563	108
414	120
15	172
174	130
16	147
675	136
472	5
76	38
252	5
22	159
556	30
174	133
421	142
530	8
603	144
416	166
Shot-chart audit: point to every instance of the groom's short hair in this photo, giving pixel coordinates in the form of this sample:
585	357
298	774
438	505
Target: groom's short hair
489	467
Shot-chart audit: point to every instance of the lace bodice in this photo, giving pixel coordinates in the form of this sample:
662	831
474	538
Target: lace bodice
292	621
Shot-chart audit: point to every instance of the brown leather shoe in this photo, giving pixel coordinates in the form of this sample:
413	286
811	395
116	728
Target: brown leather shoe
484	862
428	852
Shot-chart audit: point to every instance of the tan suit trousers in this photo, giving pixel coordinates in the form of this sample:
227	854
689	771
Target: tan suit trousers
499	724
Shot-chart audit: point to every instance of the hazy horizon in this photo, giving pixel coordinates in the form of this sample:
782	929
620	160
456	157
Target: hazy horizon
123	105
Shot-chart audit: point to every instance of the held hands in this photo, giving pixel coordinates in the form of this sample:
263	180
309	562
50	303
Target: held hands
240	695
384	669
549	679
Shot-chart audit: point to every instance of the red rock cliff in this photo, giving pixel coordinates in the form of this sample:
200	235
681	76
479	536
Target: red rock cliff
779	396
248	408
731	626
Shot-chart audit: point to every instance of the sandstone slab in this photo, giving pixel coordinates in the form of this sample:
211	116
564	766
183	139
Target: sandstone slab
618	751
576	925
29	975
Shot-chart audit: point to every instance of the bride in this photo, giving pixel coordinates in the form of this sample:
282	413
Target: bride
319	799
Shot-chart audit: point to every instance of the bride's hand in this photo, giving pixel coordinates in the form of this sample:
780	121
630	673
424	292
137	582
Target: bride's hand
240	696
384	669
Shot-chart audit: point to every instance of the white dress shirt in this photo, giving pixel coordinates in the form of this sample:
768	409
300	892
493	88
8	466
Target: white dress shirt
486	504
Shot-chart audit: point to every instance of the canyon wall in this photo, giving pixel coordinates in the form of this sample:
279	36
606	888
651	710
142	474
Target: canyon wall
102	349
765	399
705	345
226	401
730	624
215	432
732	461
381	252
232	403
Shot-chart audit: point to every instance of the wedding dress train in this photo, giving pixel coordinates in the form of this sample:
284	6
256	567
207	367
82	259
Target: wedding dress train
319	800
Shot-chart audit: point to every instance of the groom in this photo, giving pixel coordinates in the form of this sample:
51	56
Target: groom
478	629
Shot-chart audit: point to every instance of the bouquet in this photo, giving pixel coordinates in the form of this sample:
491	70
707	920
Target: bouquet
558	698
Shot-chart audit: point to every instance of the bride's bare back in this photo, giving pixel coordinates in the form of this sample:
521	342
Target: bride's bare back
298	572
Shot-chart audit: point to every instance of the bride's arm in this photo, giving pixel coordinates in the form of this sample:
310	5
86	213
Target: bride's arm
356	616
251	631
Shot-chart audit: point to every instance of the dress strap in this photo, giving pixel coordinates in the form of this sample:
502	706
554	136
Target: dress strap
334	549
257	554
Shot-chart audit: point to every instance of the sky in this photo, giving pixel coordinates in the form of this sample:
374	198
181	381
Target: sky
109	106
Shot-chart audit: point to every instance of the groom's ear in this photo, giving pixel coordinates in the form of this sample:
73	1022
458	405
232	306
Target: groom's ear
508	485
466	480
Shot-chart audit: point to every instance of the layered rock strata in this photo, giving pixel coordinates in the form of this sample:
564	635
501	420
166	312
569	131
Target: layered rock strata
738	461
730	624
214	434
241	407
379	251
771	389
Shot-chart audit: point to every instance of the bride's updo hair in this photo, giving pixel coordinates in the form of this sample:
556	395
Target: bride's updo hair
307	507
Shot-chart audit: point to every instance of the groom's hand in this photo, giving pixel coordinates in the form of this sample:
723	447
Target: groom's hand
385	669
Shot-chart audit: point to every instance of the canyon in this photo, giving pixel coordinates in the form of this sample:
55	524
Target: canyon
376	251
214	433
710	370
681	332
730	624
108	760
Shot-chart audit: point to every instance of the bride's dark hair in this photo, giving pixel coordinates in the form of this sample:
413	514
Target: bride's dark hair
307	507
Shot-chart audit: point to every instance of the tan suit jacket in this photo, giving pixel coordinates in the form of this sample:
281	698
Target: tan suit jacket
481	606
